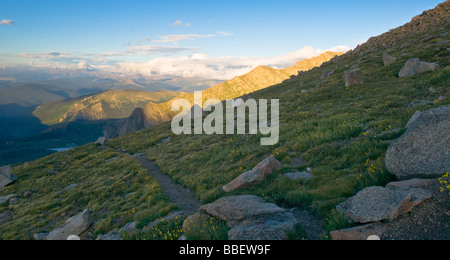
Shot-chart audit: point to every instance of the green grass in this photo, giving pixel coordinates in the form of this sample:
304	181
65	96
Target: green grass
102	187
342	134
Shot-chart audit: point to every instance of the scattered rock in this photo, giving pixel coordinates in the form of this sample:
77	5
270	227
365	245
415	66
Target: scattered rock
71	187
73	226
166	140
422	152
238	208
254	176
53	171
112	159
6	199
40	236
28	194
252	218
420	103
111	236
6	176
375	204
359	233
414	66
14	201
326	74
101	141
388	59
129	227
353	77
298	175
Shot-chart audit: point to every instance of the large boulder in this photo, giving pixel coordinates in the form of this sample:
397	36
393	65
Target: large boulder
353	77
254	176
252	218
6	176
73	226
414	66
375	204
423	151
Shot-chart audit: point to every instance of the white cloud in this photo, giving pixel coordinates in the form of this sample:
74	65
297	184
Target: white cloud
6	22
188	25
177	23
183	37
221	68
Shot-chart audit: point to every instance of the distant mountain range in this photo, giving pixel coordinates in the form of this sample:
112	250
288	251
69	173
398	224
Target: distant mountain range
112	104
257	79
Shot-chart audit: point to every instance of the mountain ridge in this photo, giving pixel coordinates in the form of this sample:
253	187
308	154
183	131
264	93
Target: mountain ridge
111	104
259	78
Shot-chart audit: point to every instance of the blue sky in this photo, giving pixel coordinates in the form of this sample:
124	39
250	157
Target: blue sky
105	33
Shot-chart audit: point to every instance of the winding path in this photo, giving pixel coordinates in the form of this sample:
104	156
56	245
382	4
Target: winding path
182	197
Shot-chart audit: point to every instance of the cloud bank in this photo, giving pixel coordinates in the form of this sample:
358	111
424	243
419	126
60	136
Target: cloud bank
221	68
6	22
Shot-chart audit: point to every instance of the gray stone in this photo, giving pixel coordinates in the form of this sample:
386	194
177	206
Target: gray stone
423	151
388	59
420	103
71	187
53	171
28	194
252	218
238	208
129	227
353	77
359	233
415	66
111	236
73	226
375	204
254	176
273	227
40	236
326	74
6	176
14	201
101	141
298	175
6	199
112	159
411	68
166	140
428	66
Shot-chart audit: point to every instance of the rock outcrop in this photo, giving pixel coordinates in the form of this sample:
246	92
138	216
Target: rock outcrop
73	226
415	66
423	151
376	204
254	176
252	218
388	59
6	176
353	77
